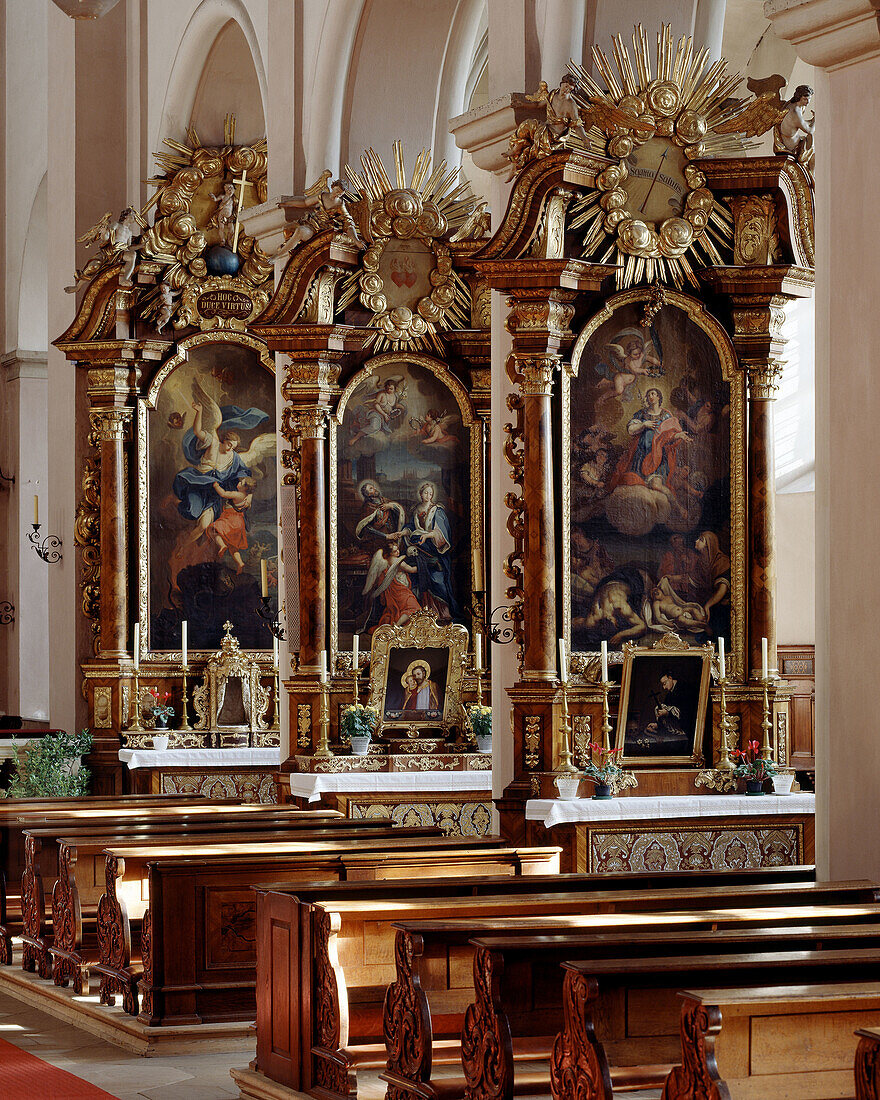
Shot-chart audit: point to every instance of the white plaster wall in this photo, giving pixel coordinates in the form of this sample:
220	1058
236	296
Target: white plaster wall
796	574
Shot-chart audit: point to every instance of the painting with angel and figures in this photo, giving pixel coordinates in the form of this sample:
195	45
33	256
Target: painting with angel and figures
650	482
212	498
403	491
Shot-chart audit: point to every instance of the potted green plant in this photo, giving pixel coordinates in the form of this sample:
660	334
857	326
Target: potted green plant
358	722
479	718
50	766
752	767
606	773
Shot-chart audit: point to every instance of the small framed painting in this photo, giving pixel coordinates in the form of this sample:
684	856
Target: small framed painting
415	675
663	696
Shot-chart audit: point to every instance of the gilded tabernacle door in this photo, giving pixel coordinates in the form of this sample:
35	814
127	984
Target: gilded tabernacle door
653	441
406	497
207	494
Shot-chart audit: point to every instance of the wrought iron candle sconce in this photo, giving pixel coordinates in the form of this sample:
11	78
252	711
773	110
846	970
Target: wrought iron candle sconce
48	548
7	613
272	620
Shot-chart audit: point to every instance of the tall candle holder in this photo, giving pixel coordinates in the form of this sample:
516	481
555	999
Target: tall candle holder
722	778
566	762
134	723
766	724
606	716
276	719
184	726
323	750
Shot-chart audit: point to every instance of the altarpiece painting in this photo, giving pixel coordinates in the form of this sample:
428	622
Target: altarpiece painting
208	518
652	515
403	447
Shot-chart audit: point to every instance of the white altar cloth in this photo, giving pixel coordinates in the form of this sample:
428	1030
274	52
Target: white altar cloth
311	785
201	758
557	811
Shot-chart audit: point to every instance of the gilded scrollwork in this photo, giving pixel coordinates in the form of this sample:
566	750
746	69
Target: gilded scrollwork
582	726
533	724
304	725
230	662
87	536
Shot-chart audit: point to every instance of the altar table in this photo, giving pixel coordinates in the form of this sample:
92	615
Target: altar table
213	773
676	833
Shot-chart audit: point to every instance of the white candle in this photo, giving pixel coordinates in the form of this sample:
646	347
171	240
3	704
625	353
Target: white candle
36	510
356	653
275	653
264	576
323	665
765	672
478	651
563	664
137	645
184	647
603	649
722	667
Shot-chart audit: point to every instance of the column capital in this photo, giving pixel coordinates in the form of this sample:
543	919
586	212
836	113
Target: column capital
535	374
763	378
110	425
305	422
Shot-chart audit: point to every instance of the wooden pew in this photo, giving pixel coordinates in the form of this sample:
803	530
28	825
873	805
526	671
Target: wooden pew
867	1064
773	1042
580	1065
41	859
355	942
431	957
192	976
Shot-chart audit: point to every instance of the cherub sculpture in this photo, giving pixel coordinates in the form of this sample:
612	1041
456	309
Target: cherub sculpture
476	225
792	131
166	306
323	208
115	239
533	139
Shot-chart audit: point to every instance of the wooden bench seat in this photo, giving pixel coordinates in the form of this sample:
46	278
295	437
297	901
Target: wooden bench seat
196	969
770	1042
41	859
580	1064
348	930
429	967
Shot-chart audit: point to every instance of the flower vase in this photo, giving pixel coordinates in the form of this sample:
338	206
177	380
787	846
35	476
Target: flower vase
360	746
567	785
484	742
160	742
754	786
782	782
603	790
161	721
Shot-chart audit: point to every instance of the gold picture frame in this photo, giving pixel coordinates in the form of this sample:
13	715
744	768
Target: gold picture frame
664	693
432	656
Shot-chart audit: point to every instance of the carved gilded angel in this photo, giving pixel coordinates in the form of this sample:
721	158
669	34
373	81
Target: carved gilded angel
792	131
323	208
116	241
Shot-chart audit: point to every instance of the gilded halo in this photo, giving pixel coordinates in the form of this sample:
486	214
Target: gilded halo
674	115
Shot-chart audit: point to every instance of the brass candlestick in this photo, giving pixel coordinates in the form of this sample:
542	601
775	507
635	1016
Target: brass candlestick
135	721
766	724
566	763
184	716
606	716
276	683
725	764
323	751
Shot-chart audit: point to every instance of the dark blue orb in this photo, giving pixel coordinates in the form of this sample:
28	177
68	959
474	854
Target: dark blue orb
221	260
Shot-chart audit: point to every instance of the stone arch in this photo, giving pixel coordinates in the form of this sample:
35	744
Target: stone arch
33	301
207	45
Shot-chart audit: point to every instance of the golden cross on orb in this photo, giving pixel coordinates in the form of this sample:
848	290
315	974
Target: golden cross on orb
242	183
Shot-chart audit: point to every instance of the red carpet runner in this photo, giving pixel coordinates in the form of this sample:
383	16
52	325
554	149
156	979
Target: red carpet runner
25	1077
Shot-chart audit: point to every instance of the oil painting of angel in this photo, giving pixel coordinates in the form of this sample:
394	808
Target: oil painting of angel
212	495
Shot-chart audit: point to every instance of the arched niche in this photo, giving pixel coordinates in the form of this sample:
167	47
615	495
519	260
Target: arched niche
207	43
229	83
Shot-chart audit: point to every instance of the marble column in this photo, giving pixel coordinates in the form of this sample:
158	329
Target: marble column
311	424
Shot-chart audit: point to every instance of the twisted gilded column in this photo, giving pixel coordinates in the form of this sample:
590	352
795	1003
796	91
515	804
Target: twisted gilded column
111	429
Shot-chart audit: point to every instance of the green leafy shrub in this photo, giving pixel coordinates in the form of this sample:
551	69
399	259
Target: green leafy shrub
44	768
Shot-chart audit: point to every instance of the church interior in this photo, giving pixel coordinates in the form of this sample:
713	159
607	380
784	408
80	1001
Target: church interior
425	525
